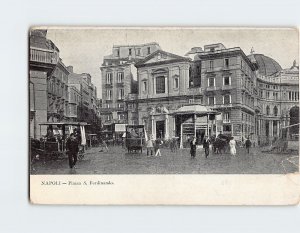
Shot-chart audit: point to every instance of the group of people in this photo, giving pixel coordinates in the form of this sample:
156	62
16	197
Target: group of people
207	142
153	146
193	145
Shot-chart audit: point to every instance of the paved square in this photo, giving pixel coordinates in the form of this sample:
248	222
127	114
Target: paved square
118	161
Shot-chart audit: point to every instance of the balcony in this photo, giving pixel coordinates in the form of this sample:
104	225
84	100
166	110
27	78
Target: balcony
43	59
212	88
108	85
195	91
226	87
132	96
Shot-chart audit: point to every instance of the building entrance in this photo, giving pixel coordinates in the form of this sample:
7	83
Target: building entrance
160	129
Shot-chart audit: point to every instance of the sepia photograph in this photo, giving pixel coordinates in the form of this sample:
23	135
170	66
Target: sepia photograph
163	101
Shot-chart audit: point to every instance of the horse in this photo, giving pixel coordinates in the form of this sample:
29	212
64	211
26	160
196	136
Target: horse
220	144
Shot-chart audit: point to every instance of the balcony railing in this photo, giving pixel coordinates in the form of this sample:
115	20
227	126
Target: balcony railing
43	55
227	87
195	90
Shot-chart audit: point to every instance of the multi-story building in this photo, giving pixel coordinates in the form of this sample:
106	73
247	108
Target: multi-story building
43	59
74	103
165	84
58	94
254	96
84	89
278	98
119	79
229	80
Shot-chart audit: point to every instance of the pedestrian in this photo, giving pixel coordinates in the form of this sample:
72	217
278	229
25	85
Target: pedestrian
124	140
103	145
158	143
206	143
193	147
248	145
232	145
149	146
73	148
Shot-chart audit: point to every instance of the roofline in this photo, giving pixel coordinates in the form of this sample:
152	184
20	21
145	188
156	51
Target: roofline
136	45
178	58
228	50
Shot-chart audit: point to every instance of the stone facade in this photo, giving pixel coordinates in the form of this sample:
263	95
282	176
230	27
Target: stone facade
163	83
119	79
252	102
55	93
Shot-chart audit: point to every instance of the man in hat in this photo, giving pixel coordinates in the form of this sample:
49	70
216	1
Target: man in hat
248	145
206	146
72	147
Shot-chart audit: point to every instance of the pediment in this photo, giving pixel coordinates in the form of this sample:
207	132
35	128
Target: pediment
161	56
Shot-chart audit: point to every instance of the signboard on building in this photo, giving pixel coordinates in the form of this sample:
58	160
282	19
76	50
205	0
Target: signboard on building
120	127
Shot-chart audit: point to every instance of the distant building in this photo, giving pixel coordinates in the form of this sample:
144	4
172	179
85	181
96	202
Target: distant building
58	94
119	80
83	87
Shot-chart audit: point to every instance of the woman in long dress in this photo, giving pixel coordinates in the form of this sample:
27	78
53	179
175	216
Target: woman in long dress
232	145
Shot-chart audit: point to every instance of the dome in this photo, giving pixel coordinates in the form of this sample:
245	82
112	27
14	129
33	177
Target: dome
266	65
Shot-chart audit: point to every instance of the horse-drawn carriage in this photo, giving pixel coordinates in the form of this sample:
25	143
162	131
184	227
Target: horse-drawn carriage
220	144
135	138
53	144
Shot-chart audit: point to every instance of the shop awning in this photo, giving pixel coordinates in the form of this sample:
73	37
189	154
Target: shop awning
198	110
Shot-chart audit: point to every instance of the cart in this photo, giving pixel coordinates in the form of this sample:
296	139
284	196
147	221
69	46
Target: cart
135	138
52	146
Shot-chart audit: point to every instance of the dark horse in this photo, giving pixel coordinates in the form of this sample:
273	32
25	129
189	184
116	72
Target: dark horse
220	144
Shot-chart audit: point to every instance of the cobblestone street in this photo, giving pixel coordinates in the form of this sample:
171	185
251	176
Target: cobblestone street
118	161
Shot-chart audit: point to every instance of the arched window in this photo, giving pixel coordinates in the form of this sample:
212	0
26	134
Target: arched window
275	111
268	110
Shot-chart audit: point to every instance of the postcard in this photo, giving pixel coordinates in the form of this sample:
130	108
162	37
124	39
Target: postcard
163	115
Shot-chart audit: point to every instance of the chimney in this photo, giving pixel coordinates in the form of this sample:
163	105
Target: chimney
70	69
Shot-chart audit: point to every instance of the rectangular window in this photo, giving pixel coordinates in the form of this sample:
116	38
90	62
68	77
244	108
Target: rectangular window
211	100
211	82
226	99
121	94
268	95
226	117
138	52
109	94
226	63
227	128
148	50
109	78
120	77
129	52
160	85
242	65
118	52
211	65
226	81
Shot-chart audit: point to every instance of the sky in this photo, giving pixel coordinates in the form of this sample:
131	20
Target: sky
84	48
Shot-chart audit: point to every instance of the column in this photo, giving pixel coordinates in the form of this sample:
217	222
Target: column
271	127
181	146
278	122
152	127
167	126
